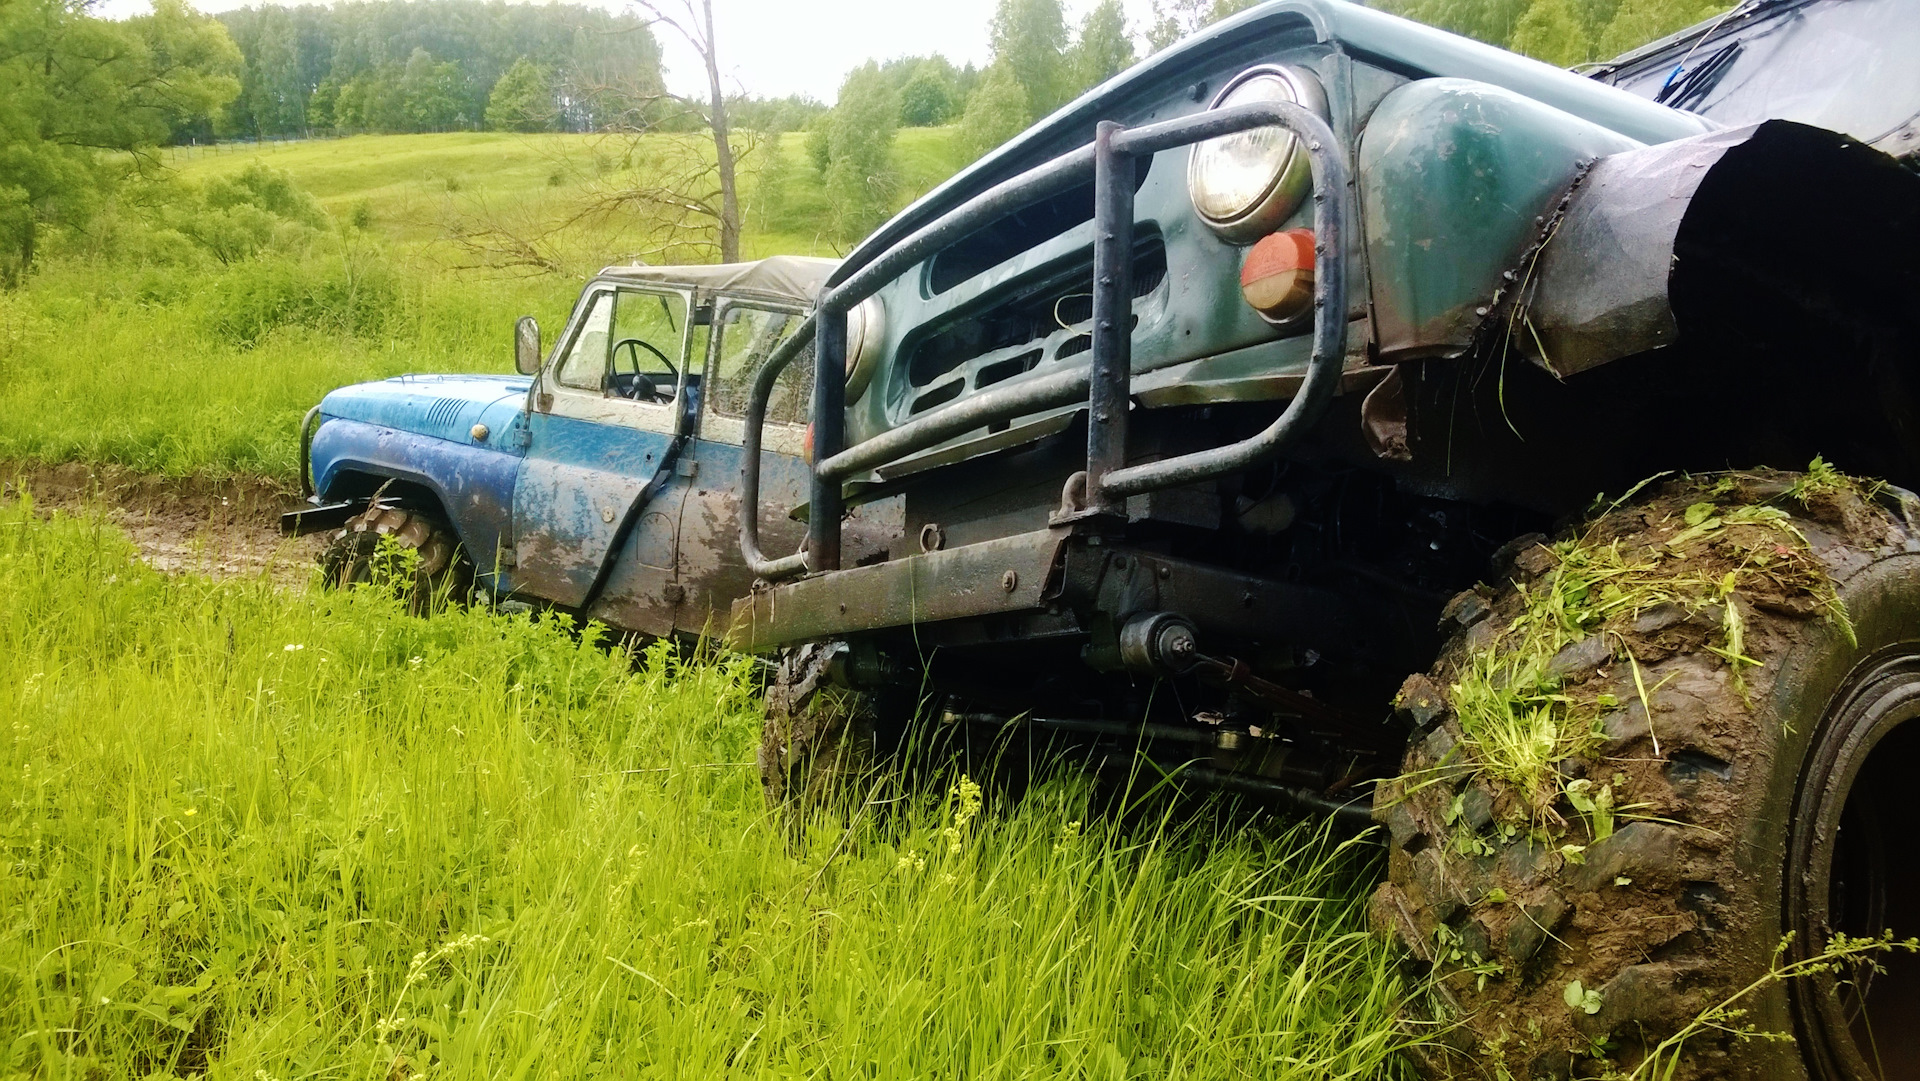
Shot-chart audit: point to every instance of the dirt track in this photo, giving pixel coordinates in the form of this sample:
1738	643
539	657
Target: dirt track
222	528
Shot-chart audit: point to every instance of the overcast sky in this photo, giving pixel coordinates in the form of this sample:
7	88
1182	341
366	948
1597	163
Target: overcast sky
780	47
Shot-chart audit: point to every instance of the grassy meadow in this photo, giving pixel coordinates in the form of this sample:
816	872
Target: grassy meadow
270	834
128	347
260	834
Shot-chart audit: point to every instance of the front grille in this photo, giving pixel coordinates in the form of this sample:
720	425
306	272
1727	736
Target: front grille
1021	231
1060	304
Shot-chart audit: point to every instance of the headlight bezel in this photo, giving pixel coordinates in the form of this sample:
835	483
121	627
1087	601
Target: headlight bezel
866	340
1292	179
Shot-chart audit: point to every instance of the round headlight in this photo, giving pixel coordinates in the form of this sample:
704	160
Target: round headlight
866	337
1245	185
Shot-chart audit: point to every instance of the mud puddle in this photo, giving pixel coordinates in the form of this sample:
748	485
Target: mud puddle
222	528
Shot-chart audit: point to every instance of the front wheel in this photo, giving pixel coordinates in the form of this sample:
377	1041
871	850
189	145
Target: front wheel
1663	765
817	743
415	555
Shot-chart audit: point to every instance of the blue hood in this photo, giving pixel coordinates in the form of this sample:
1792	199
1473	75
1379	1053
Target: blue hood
442	406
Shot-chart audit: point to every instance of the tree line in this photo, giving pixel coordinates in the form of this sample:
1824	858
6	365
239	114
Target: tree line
1563	32
436	65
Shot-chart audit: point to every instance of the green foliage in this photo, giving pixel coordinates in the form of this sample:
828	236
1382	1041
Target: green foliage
927	98
768	206
422	94
1029	41
135	345
304	63
772	115
860	131
257	833
72	86
1552	30
1491	21
522	100
355	294
996	112
1175	19
819	147
1640	21
1102	48
243	214
1563	32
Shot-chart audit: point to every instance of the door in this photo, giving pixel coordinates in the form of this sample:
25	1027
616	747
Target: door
607	407
712	573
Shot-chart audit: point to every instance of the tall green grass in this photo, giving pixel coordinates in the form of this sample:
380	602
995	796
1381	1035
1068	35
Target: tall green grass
258	834
208	369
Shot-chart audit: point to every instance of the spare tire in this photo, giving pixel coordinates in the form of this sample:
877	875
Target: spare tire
1586	897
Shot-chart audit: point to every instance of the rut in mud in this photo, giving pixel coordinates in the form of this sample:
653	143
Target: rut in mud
220	527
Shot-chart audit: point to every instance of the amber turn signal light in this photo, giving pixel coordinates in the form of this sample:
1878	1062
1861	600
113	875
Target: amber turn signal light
1277	276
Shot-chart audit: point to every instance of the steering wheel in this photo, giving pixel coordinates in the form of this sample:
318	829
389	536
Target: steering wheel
640	387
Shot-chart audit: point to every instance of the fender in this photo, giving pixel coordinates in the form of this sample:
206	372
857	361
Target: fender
473	484
1455	176
1717	235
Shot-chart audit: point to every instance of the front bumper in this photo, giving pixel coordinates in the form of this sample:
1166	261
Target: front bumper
1075	578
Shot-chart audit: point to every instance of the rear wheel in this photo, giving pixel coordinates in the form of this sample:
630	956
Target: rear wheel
420	560
1583	913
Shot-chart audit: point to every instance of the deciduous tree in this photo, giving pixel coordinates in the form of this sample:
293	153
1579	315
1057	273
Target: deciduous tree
996	111
75	86
1029	39
860	131
522	100
1102	48
694	24
1552	30
927	98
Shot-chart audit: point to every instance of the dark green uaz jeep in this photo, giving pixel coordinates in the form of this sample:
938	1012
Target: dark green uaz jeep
1358	418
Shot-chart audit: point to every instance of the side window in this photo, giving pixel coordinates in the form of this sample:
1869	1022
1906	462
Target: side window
748	336
585	365
628	346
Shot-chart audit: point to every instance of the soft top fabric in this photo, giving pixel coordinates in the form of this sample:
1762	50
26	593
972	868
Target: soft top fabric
795	278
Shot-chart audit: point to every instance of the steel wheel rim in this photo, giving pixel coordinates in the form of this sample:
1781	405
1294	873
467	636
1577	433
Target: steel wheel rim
1848	870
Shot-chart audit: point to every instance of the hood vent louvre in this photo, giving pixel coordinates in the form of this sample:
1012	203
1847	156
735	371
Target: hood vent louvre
444	413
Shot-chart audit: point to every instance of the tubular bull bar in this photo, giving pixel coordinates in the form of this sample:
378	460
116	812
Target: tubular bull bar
1105	383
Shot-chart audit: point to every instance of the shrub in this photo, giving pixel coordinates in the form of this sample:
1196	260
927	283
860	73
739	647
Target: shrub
357	293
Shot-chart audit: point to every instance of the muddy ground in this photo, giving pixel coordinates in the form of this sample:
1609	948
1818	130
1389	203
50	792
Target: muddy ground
226	527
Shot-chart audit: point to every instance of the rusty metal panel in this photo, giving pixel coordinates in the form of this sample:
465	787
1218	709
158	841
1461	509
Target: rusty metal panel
1006	575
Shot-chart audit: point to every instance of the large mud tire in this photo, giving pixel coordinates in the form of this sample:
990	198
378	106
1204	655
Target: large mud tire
441	572
1735	787
817	746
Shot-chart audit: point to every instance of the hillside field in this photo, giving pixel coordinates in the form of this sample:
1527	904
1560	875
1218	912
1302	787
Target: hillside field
193	366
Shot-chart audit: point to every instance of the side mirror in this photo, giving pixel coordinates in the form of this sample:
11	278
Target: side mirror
526	345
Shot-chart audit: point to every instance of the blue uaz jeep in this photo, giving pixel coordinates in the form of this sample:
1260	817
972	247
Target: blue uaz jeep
602	481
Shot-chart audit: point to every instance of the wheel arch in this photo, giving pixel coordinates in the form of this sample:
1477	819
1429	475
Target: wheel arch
469	488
